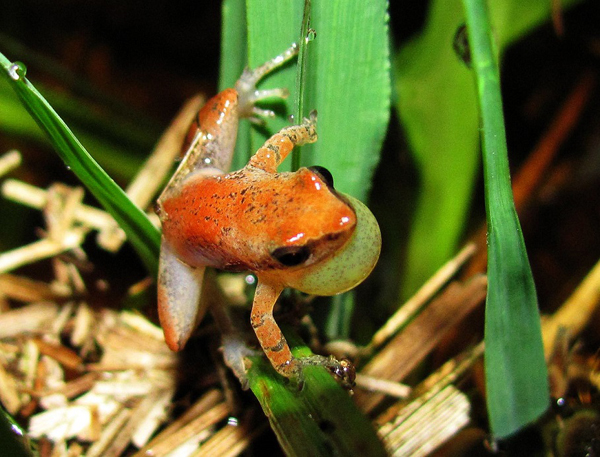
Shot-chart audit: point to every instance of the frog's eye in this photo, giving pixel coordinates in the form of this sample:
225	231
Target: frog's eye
324	174
291	256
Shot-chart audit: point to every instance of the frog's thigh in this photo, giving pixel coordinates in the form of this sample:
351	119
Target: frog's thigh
179	290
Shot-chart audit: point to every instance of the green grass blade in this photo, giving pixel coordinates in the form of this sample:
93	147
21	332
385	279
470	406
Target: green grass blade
233	60
12	438
272	27
319	420
347	80
144	237
437	107
516	374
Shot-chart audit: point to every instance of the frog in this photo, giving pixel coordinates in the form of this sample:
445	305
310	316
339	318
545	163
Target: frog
290	229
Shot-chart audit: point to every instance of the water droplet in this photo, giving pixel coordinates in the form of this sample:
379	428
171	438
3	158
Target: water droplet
234	421
68	167
17	71
17	430
250	279
461	45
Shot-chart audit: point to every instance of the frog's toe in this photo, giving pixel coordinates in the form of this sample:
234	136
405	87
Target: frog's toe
248	97
342	370
235	350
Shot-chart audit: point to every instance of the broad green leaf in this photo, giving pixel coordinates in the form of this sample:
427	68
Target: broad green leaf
516	375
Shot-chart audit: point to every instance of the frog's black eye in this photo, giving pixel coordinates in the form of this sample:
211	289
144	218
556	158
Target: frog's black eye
291	256
324	174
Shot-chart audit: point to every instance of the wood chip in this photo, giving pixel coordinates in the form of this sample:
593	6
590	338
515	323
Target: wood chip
60	424
8	391
39	250
189	431
409	309
26	290
421	428
203	404
32	318
65	356
576	312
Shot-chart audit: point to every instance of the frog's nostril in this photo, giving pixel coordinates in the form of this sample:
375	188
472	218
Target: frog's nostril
291	256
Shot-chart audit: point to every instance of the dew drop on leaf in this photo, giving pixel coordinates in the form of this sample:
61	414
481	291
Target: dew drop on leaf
17	71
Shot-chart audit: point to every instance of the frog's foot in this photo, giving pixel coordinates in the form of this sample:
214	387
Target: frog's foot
343	370
248	93
235	350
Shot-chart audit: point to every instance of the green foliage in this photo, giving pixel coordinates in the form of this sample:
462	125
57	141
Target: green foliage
319	420
12	438
516	375
436	104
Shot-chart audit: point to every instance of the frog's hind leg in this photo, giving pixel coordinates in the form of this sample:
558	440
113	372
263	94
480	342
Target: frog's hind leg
179	291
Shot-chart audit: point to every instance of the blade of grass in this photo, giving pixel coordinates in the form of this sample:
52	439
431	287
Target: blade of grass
12	438
144	237
301	76
319	420
233	60
347	80
515	369
272	27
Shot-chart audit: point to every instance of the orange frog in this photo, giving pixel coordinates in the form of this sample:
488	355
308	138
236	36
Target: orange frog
289	229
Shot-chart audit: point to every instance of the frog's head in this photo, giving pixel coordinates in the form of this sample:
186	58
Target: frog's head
337	258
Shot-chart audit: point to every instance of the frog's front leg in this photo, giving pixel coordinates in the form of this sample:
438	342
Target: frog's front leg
277	148
268	332
275	345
